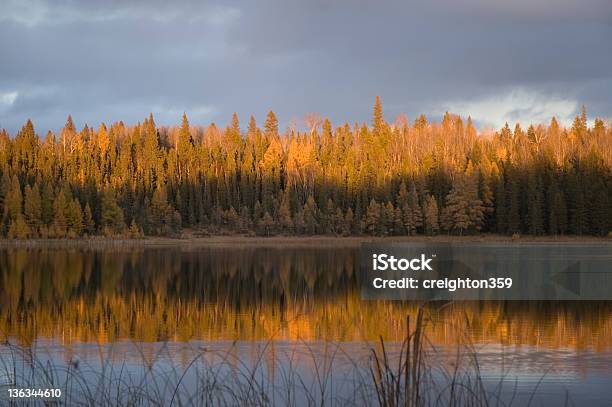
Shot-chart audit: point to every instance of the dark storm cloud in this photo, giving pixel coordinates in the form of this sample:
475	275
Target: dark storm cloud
106	61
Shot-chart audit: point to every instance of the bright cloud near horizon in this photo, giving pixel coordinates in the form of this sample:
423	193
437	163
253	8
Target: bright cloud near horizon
498	62
518	105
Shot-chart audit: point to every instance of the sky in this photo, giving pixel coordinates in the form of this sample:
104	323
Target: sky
498	61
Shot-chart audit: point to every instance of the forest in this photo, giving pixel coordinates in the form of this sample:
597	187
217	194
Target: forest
383	179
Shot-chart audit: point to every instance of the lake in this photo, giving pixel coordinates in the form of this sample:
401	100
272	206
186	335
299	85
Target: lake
275	324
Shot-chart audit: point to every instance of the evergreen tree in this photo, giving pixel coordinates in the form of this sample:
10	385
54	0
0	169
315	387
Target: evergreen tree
265	226
408	201
338	222
398	222
347	227
134	231
271	125
455	215
501	206
111	218
184	149
535	201
47	204
257	212
486	196
246	224
286	221
432	225
557	212
33	208
377	117
60	224
463	210
299	223
311	215
577	209
372	218
408	220
74	218
162	219
88	221
14	199
601	212
18	228
513	200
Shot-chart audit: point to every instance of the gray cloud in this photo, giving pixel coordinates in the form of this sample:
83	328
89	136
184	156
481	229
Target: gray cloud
108	61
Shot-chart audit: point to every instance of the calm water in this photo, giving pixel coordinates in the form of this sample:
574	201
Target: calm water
278	311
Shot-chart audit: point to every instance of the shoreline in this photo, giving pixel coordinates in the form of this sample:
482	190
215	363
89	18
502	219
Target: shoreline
189	241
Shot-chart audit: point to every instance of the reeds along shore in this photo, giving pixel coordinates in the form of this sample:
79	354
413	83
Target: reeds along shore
413	374
386	179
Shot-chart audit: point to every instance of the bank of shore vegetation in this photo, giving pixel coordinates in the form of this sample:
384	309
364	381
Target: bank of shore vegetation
385	178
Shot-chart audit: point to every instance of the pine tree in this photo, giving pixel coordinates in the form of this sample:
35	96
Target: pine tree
60	224
311	215
372	221
579	127
184	149
26	149
377	117
512	198
47	204
486	195
415	208
408	201
432	225
18	228
347	227
14	199
557	212
327	220
501	206
33	208
389	221
266	225
383	221
408	220
151	152
134	231
257	212
299	223
74	218
246	223
477	208
338	222
535	201
284	214
455	215
232	219
185	141
161	216
463	210
271	125
398	222
402	195
577	210
600	213
111	218
88	221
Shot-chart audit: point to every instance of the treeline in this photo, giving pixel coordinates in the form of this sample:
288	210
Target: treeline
395	178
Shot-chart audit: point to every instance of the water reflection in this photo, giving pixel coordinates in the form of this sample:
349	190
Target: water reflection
225	293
